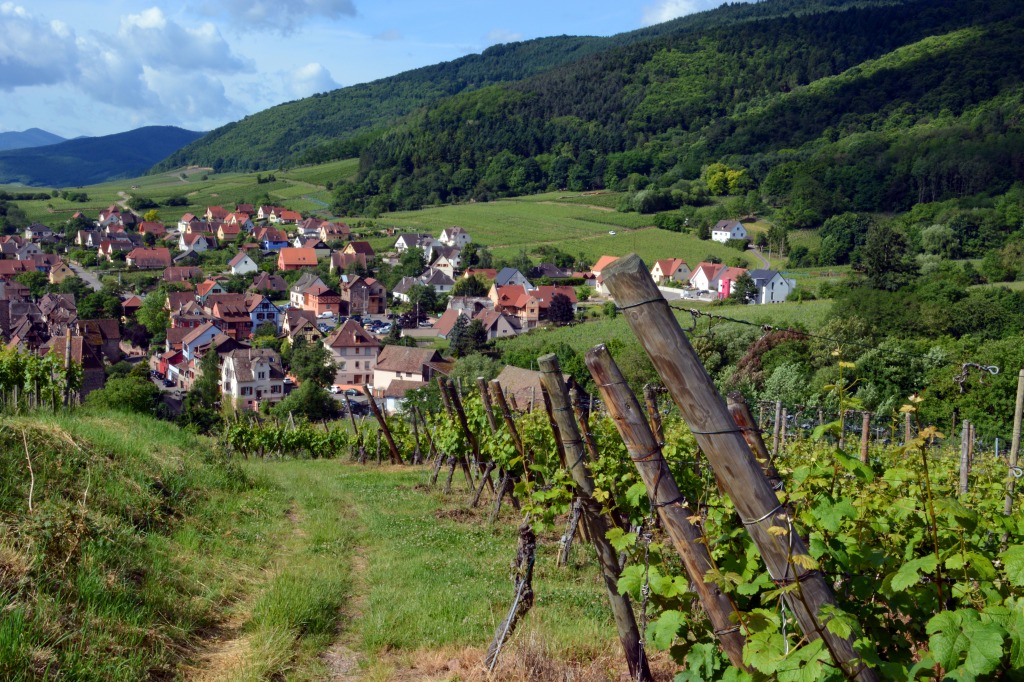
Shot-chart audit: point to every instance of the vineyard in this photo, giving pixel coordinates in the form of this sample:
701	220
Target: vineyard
895	551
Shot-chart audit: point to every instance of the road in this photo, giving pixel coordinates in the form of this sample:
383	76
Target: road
89	278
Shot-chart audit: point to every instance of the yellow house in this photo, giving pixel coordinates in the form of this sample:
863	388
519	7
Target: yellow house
60	272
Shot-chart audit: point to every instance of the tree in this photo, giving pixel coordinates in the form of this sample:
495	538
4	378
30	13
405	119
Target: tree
151	216
152	315
127	393
309	400
311	362
886	260
201	408
423	298
100	305
35	281
560	309
466	337
470	286
743	289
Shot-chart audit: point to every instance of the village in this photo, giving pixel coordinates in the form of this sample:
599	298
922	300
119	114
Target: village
295	280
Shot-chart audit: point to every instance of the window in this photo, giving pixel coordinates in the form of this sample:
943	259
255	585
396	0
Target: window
262	375
246	390
275	388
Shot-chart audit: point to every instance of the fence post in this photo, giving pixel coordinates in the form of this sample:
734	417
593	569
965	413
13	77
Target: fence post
596	523
1018	412
777	428
485	398
645	450
906	429
740	411
865	436
396	458
741	478
965	435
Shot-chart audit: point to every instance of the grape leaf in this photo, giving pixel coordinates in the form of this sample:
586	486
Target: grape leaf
909	573
1013	563
663	631
960	635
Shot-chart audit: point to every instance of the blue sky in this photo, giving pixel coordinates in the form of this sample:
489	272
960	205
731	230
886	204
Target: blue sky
90	67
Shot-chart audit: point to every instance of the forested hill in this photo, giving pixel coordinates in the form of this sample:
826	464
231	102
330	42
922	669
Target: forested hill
862	107
341	123
91	160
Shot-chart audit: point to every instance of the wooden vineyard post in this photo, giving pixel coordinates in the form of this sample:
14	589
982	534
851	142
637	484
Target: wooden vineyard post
777	428
865	435
1018	413
906	429
596	523
522	581
485	398
645	450
449	402
417	456
555	430
782	431
651	398
965	462
744	419
474	444
737	471
517	442
970	444
396	458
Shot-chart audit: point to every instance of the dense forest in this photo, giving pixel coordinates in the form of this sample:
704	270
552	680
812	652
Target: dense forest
863	109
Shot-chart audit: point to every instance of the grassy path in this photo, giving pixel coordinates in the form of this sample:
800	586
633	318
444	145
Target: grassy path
364	574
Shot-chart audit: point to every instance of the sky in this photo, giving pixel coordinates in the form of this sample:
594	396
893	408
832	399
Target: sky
97	67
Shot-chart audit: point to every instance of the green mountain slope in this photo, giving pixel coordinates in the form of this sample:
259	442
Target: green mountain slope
91	160
929	90
339	124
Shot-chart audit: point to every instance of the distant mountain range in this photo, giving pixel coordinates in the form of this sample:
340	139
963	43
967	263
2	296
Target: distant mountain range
91	160
33	137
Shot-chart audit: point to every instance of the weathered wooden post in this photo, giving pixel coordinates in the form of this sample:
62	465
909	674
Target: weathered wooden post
907	433
597	524
474	444
555	431
396	458
645	450
485	398
741	414
865	434
1018	413
970	443
508	482
965	462
448	398
522	581
782	430
735	467
777	428
651	398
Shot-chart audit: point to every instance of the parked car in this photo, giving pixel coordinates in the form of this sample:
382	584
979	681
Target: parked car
335	389
168	383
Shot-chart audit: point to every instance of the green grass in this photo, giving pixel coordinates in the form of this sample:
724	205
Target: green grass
321	174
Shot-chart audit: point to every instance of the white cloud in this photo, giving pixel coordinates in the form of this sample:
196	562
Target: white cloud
283	16
666	10
501	35
165	44
310	79
33	52
187	97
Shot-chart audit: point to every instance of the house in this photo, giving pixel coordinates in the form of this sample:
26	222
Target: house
271	285
360	248
516	301
290	258
265	212
315	243
401	362
490	274
545	293
454	236
230	314
523	387
297	291
196	241
28	251
189	315
670	270
216	213
347	261
402	289
94	375
187	220
510	277
189	257
444	325
437	279
247	209
724	230
726	278
60	272
498	325
363	296
705	276
321	299
330	232
772	287
550	271
395	394
300	324
110	247
207	288
129	307
103	336
250	376
200	336
354	352
154	228
9	269
181	274
149	259
271	238
599	266
37	231
262	310
412	241
88	239
471	305
446	265
241	264
228	232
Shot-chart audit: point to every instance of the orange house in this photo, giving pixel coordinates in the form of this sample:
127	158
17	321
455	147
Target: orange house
291	258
